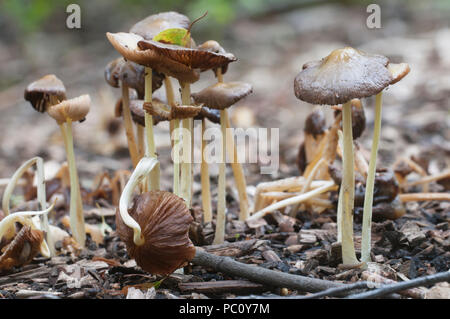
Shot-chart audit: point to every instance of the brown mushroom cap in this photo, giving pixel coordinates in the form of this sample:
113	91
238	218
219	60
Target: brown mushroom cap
132	75
398	71
22	249
40	93
127	45
316	123
192	58
138	112
164	219
214	46
149	27
343	75
210	114
223	94
75	109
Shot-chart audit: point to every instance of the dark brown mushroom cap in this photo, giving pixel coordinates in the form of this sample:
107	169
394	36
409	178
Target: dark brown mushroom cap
164	219
214	46
22	249
127	45
132	75
343	75
138	112
210	114
315	123
398	71
192	58
40	93
149	27
75	109
223	94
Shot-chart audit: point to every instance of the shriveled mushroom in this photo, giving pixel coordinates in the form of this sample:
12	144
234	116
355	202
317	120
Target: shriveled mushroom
65	113
221	96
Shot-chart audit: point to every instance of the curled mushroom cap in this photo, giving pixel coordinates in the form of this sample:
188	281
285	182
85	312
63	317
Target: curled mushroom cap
398	71
127	45
164	219
44	92
214	46
223	94
132	75
138	112
149	27
74	109
193	58
343	75
22	249
210	114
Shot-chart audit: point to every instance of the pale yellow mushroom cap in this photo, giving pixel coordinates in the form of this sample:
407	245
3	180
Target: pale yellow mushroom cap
74	109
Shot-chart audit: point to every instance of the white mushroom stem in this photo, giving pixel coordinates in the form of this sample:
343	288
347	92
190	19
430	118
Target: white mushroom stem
238	171
370	183
239	176
348	189
140	132
128	123
154	177
329	185
76	204
174	136
143	169
204	175
186	165
23	217
40	195
221	196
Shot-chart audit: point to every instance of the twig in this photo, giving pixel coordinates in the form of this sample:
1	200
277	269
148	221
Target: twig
261	275
392	288
421	197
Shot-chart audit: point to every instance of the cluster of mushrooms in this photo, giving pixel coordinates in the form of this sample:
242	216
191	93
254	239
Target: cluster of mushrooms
153	223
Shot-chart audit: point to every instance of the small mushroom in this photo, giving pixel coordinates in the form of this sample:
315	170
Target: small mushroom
221	96
65	113
46	91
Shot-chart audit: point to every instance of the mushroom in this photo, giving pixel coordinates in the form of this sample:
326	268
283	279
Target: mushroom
177	60
343	75
238	172
221	96
65	113
130	75
44	92
9	232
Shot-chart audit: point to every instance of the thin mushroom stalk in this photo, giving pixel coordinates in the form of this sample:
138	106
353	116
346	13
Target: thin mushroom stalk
348	189
370	183
76	205
186	165
128	123
238	171
154	177
221	197
206	191
145	166
44	225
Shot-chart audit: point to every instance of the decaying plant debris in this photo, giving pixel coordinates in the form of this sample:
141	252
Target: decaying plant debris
258	236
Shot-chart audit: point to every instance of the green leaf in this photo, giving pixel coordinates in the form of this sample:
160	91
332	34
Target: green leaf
177	36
